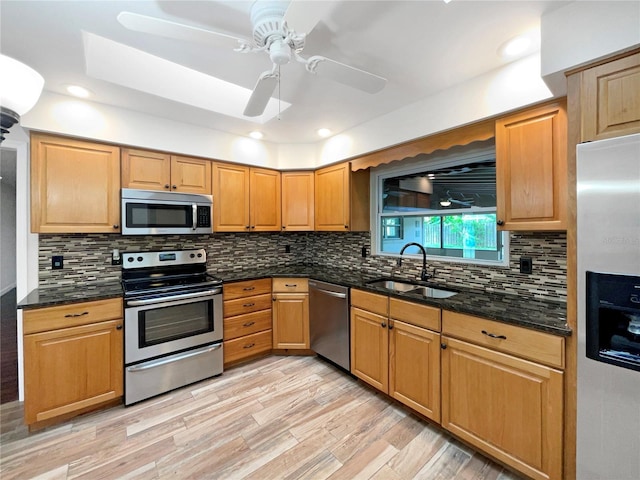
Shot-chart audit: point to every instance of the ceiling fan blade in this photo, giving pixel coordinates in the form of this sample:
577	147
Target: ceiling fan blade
346	74
178	31
302	16
262	92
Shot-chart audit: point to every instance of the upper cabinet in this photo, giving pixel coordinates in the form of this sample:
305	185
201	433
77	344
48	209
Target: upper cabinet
611	99
297	201
160	171
245	199
75	186
531	169
341	199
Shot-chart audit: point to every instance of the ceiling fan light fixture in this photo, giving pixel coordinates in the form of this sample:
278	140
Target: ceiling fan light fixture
324	132
280	52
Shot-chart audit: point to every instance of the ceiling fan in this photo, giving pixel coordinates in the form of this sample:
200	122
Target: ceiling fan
273	32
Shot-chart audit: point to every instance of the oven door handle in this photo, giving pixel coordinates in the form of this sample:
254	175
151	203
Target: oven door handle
173	358
171	298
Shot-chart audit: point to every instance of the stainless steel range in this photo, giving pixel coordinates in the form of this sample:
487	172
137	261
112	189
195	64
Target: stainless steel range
173	322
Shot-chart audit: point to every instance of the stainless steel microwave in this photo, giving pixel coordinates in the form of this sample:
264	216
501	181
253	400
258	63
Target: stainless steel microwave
147	212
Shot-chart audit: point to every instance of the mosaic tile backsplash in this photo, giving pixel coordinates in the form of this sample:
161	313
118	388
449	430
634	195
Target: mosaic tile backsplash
87	257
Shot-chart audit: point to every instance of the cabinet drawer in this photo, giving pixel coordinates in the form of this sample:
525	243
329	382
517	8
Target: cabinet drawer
414	313
530	344
371	302
247	305
247	346
240	325
246	289
290	285
71	315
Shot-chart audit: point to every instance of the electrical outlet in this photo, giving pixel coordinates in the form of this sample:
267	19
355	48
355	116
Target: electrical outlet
526	265
116	259
57	262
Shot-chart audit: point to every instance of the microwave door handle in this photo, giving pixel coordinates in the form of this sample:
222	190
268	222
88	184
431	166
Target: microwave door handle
194	213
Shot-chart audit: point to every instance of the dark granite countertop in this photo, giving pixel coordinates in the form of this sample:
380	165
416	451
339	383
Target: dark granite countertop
79	292
538	315
550	317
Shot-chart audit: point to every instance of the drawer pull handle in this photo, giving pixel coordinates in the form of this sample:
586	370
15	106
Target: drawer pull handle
248	289
70	315
248	324
493	335
290	284
248	304
250	345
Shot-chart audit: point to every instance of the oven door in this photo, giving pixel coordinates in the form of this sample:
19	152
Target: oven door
156	327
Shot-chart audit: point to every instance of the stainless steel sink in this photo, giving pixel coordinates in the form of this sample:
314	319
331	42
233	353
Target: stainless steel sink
405	287
433	292
393	285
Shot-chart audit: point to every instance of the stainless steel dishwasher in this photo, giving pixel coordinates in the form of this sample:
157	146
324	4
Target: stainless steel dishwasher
329	322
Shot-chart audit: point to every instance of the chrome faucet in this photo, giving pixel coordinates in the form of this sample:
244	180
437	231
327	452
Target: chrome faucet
424	276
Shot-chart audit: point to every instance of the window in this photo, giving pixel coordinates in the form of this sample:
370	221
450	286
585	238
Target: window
447	204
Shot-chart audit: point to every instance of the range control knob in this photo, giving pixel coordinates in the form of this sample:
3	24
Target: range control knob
199	255
193	255
139	259
130	259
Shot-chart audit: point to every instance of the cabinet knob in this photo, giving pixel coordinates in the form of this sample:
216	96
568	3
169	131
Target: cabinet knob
166	185
500	222
390	326
118	327
247	227
174	187
443	346
253	226
383	325
116	226
346	226
283	227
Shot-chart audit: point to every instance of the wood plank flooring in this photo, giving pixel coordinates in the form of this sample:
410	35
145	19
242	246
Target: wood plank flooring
275	418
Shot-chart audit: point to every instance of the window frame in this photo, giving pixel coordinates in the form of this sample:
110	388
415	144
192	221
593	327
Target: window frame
417	165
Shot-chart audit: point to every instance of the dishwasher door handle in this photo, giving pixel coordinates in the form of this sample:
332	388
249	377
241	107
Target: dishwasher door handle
329	292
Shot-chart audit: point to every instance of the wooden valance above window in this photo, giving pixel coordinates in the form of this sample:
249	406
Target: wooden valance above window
474	132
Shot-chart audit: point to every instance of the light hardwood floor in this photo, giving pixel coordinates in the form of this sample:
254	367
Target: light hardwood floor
275	418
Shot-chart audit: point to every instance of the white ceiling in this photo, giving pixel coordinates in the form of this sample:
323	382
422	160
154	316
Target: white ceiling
420	46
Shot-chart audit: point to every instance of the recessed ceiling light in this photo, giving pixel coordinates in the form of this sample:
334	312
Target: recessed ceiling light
257	135
515	47
78	91
324	132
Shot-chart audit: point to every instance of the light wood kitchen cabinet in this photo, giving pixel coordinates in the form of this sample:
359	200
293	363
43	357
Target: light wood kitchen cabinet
611	99
531	169
298	211
392	351
509	407
341	199
75	186
246	199
291	313
160	171
73	359
247	320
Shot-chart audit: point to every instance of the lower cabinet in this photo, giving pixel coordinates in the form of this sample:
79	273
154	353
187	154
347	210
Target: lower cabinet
73	358
506	406
247	319
291	313
397	357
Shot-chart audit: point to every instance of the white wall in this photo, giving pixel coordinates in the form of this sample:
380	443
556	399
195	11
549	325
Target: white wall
582	32
7	220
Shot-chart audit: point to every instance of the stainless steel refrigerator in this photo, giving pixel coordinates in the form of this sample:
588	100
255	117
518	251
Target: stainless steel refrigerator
608	268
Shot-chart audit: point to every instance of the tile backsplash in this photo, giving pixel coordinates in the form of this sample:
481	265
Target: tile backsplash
87	257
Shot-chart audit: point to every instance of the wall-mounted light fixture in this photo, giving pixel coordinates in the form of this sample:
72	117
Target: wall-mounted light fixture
20	88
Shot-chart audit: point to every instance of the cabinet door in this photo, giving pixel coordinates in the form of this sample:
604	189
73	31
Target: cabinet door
414	368
332	198
265	200
230	198
508	407
146	170
370	348
611	99
72	368
297	201
291	320
531	169
190	175
75	186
